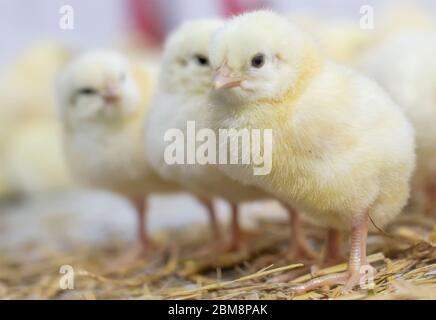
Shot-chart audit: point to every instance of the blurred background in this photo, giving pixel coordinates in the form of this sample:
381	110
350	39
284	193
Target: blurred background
37	194
101	22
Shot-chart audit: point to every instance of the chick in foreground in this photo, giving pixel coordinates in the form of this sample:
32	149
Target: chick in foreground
405	67
103	99
182	96
342	149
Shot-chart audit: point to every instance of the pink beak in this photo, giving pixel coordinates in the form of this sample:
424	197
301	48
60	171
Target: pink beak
226	79
111	93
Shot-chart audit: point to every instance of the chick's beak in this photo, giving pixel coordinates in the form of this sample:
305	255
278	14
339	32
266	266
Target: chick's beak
225	78
111	92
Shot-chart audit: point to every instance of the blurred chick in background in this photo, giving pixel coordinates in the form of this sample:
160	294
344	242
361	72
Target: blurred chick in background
103	99
341	38
182	95
34	71
343	150
405	16
405	67
345	40
30	157
34	159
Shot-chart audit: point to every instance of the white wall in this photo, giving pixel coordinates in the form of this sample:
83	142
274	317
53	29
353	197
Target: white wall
22	22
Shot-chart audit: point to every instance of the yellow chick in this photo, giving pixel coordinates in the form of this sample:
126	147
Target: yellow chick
341	39
182	97
103	99
345	40
405	67
26	97
34	161
342	149
26	88
404	16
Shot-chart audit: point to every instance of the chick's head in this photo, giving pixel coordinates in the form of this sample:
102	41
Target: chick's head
258	55
185	64
97	86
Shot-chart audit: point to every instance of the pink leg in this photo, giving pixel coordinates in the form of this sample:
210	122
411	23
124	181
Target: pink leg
141	210
214	224
333	254
357	259
430	197
143	245
299	248
237	234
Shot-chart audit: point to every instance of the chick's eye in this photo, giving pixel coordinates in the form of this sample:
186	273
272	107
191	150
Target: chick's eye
258	61
87	91
201	60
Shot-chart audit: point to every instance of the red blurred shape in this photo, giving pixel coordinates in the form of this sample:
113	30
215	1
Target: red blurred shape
147	19
235	7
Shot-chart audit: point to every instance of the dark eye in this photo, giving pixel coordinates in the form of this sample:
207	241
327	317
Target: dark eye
87	91
258	60
201	60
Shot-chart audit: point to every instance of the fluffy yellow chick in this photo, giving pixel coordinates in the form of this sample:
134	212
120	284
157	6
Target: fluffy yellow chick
341	39
182	96
26	88
405	67
103	99
345	41
34	161
404	16
342	149
27	106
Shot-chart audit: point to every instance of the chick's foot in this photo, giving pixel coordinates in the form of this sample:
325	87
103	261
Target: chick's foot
301	251
357	266
137	254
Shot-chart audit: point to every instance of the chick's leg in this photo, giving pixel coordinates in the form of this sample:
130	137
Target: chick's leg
430	196
144	241
214	224
237	241
143	245
333	253
213	220
299	248
357	259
